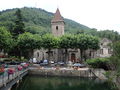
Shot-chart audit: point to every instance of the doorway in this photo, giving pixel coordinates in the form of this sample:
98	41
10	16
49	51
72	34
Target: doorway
73	57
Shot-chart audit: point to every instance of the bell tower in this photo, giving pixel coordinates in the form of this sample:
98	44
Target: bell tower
57	24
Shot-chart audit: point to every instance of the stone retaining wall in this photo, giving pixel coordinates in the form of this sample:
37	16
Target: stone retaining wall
61	72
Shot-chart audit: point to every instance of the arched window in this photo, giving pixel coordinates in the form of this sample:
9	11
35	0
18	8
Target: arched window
37	54
101	51
56	27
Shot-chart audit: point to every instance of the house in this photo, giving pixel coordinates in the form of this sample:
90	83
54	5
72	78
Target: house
105	50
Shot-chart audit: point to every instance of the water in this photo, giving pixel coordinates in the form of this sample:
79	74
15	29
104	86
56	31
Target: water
61	83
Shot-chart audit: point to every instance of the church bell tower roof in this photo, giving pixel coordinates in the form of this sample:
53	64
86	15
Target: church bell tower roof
57	17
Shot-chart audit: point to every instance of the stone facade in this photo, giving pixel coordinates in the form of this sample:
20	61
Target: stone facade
105	50
57	25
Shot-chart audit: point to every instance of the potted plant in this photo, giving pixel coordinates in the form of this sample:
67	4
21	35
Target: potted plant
11	71
20	68
2	70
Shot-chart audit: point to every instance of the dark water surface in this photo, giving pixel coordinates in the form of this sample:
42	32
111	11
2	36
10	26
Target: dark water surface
61	83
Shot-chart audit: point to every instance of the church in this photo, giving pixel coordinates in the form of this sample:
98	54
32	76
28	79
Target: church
57	27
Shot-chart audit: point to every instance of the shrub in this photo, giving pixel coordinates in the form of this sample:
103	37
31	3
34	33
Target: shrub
99	63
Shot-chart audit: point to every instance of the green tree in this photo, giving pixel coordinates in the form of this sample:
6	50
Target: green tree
49	42
115	58
27	42
115	63
93	43
19	25
67	41
85	42
6	41
116	49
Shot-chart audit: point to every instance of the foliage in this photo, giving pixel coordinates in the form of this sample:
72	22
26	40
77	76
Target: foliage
19	25
6	41
85	42
115	63
37	21
110	34
68	41
27	42
116	48
93	43
99	63
115	59
49	41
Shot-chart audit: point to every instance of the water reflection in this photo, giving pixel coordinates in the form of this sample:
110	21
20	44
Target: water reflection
61	83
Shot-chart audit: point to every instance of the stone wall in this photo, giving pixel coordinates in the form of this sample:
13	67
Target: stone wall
61	72
69	72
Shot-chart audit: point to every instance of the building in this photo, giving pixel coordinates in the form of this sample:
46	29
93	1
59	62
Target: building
57	24
105	50
57	27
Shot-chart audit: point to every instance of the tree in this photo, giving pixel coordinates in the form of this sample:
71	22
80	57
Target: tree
85	42
110	34
49	42
6	41
27	42
114	63
93	43
67	41
19	25
116	49
115	58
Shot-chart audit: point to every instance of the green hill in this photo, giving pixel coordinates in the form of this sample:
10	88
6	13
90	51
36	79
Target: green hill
37	21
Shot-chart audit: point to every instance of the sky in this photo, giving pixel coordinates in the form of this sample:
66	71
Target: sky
99	14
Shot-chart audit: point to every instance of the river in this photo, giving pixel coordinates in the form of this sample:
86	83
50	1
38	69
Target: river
61	83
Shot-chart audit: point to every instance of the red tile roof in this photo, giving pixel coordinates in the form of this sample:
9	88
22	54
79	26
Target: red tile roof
57	16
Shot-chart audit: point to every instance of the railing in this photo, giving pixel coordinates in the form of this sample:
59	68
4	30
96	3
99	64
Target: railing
6	77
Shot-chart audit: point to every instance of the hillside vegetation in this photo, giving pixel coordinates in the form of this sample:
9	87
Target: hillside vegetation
39	21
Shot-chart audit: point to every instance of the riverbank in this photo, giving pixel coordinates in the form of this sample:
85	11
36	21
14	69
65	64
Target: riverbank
67	72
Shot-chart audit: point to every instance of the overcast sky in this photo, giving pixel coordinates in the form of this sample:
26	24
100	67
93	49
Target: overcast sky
100	14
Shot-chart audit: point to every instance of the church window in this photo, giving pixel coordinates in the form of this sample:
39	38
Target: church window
101	43
0	50
101	51
90	54
56	27
37	54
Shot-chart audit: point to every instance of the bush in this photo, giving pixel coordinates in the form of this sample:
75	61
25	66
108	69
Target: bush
99	63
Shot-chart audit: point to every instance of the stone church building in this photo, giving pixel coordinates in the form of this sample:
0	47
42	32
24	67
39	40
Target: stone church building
57	27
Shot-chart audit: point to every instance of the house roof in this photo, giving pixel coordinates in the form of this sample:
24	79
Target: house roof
57	16
103	40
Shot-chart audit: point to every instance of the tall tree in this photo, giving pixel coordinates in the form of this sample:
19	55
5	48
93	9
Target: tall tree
27	42
85	42
49	42
67	41
114	63
6	41
93	44
19	25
